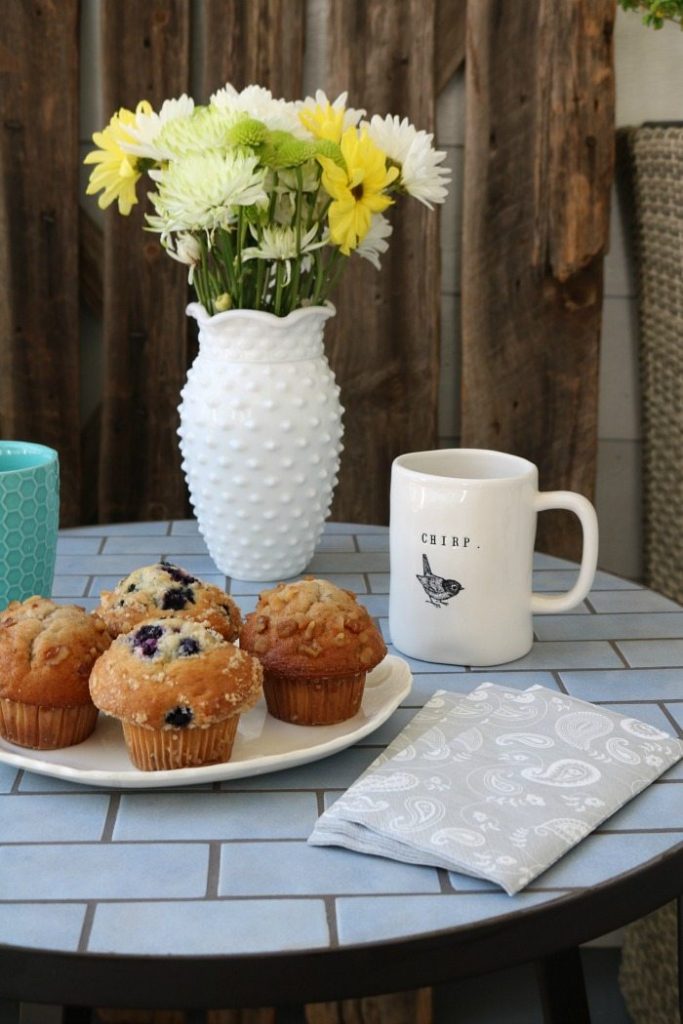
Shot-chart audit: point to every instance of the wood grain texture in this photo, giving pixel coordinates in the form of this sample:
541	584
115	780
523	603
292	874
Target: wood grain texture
384	342
39	348
538	169
449	40
397	1008
145	292
90	262
252	42
265	1015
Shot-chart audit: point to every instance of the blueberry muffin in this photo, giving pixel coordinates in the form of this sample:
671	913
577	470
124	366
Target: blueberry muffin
155	591
178	689
316	645
46	654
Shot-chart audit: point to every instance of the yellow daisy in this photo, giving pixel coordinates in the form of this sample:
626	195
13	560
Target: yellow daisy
357	190
325	120
116	173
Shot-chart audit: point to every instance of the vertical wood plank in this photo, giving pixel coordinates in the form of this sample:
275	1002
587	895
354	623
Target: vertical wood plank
383	344
538	169
252	42
39	349
449	40
145	55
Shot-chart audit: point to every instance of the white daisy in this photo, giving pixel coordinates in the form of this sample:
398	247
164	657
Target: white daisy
201	190
279	243
148	125
278	115
375	241
412	150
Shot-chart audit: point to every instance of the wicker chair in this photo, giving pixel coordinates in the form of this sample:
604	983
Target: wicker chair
649	976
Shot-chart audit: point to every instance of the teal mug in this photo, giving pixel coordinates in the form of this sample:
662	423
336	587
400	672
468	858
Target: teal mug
29	519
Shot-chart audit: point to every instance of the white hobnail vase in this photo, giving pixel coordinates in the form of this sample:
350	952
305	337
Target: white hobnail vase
260	435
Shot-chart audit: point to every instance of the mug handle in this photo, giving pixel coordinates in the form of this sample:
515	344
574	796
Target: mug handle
545	604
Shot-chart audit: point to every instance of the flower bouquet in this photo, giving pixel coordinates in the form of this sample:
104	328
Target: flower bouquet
265	200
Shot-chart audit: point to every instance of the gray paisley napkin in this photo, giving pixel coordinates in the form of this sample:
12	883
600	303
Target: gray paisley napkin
498	784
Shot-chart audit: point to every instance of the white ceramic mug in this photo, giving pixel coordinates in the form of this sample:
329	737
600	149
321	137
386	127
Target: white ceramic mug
462	531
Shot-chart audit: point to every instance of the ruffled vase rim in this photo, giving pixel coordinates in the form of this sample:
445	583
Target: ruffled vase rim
198	311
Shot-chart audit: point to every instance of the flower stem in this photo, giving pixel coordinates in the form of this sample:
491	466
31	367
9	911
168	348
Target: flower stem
294	289
241	229
227	259
260	274
334	272
278	288
319	277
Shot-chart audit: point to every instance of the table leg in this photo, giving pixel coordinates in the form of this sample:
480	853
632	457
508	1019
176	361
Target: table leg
679	953
290	1014
562	988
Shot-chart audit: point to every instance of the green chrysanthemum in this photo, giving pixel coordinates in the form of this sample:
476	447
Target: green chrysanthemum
206	129
247	132
329	149
281	150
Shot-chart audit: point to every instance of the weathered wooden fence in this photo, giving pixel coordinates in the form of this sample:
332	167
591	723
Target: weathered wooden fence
538	170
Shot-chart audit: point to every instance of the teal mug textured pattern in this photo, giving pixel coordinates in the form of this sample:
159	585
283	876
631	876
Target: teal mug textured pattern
29	519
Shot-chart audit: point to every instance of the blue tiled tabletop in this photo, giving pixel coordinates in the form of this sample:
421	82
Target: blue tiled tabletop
224	868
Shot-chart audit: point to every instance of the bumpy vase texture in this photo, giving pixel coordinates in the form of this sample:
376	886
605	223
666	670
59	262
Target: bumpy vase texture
260	435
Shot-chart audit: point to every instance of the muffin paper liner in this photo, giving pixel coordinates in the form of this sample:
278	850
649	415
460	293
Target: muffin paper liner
160	749
320	700
45	728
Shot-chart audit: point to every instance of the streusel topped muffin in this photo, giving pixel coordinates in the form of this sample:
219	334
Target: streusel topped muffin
178	689
316	643
163	589
46	653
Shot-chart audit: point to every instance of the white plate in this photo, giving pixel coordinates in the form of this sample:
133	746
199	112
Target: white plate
263	744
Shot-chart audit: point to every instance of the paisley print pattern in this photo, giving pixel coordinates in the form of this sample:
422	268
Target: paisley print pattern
498	783
582	728
567	772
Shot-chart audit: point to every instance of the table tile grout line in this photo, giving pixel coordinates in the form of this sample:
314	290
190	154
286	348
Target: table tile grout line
213	869
100	547
446	887
678	731
110	820
169	528
86	928
356	545
300	840
330	904
562	688
622	657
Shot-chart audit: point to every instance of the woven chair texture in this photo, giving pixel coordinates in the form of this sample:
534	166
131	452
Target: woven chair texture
649	969
657	167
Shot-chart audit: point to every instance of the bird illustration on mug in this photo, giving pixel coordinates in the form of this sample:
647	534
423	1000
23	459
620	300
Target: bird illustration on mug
438	589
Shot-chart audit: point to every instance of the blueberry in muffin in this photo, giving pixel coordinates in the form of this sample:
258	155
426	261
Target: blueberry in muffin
165	589
178	689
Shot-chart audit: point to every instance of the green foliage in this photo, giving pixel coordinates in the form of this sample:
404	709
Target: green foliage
656	12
